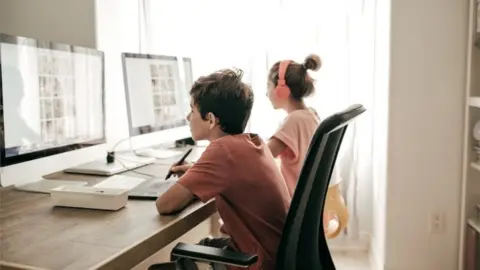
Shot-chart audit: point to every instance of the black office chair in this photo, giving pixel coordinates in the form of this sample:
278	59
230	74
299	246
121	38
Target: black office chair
303	244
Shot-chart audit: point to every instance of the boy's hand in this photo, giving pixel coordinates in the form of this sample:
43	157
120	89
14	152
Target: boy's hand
179	170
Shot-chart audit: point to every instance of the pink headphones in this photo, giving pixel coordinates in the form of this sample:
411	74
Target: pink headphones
282	90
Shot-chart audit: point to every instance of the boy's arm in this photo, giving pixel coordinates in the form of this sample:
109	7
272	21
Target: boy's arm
207	178
175	199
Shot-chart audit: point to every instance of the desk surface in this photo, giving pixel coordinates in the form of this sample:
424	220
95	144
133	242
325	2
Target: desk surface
34	233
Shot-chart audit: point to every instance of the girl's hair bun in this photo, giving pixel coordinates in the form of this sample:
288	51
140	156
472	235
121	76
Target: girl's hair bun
312	62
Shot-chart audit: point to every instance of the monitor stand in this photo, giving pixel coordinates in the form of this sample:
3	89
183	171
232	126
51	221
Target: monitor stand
122	163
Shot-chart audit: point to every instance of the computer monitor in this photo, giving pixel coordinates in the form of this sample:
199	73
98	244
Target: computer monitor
157	96
51	102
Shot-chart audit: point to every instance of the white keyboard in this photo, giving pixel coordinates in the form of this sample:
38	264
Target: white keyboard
159	154
120	182
45	185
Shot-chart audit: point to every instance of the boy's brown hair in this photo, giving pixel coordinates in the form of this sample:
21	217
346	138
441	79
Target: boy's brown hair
223	94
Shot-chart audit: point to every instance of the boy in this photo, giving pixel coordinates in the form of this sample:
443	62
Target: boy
236	169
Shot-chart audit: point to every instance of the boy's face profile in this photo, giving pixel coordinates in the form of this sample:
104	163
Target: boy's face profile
199	127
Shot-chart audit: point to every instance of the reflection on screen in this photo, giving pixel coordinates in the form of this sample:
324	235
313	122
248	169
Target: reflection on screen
157	96
51	98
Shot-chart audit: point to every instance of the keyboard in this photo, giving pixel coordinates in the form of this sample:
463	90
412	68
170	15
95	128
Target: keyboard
45	185
152	188
158	154
121	182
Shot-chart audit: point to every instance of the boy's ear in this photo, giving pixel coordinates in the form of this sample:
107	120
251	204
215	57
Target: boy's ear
212	120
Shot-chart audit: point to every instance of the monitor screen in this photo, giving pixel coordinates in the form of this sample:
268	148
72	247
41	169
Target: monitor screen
52	98
156	89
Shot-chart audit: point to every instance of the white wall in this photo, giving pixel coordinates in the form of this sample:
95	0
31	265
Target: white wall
425	124
3	15
69	21
117	32
380	131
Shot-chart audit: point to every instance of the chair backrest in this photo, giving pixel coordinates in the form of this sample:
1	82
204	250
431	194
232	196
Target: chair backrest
303	244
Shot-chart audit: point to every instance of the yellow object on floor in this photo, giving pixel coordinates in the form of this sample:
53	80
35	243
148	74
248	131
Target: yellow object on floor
337	212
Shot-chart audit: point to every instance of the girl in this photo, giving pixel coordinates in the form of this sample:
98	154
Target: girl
288	84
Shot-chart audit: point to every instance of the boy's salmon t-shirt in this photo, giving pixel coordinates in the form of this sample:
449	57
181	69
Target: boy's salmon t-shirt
251	196
296	132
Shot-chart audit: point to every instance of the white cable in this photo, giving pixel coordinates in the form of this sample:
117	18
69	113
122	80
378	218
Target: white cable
121	141
120	160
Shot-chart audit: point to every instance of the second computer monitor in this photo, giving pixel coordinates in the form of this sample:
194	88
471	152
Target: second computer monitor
157	92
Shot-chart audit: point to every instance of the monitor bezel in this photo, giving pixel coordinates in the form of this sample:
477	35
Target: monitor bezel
189	60
37	43
137	131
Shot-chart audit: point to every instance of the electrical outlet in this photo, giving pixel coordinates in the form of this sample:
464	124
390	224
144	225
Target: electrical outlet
437	223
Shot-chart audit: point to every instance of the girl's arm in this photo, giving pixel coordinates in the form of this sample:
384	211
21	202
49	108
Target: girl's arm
276	146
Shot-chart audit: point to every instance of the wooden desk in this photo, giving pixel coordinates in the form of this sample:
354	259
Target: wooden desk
34	233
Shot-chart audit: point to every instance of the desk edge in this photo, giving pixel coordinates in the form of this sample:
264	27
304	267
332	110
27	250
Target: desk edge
133	254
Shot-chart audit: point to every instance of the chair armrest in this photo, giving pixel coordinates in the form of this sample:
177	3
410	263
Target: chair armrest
210	254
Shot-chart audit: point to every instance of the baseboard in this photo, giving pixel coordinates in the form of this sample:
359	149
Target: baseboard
347	245
375	260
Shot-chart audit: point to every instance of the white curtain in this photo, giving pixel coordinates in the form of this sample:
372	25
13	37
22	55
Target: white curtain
252	35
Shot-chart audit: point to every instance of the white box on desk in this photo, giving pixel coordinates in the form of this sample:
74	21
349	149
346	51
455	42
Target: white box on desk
90	197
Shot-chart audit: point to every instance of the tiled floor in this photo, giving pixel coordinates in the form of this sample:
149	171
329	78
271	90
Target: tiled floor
343	261
351	260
